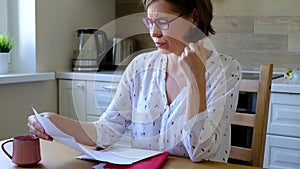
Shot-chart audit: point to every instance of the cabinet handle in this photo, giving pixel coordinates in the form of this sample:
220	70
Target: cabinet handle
110	88
79	86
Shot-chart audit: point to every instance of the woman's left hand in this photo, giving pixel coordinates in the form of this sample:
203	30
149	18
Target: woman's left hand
192	62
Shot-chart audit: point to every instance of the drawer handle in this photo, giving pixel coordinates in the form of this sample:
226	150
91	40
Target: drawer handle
110	88
79	86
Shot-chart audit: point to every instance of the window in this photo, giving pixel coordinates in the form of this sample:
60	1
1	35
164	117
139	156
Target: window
18	18
3	16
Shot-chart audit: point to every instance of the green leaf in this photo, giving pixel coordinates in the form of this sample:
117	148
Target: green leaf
6	43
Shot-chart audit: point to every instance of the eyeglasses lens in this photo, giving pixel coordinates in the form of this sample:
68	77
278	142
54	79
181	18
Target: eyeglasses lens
162	24
148	23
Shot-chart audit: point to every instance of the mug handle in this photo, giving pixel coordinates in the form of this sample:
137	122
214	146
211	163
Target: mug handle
4	150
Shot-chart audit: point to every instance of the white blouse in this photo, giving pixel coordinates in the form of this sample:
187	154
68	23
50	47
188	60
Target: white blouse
141	102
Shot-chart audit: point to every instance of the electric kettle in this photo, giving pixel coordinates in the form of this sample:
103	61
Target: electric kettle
91	50
122	51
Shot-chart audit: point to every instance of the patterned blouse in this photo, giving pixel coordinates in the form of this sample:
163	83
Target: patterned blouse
141	102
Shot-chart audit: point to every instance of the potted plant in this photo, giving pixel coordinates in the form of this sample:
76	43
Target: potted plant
6	44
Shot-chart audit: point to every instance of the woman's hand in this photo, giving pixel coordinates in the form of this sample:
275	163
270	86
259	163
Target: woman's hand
192	62
36	128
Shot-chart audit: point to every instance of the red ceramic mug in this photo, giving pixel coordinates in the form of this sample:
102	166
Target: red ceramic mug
26	150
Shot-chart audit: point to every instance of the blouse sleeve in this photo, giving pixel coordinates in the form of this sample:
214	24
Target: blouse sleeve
206	131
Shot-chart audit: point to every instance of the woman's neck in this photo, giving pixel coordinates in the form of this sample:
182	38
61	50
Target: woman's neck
172	65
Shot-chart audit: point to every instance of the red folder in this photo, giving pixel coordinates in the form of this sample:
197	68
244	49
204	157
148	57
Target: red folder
152	162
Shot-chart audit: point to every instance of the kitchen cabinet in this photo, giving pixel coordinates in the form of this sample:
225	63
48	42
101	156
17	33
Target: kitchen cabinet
99	97
72	99
85	96
283	133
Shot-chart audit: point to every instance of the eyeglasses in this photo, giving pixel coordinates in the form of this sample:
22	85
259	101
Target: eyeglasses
161	23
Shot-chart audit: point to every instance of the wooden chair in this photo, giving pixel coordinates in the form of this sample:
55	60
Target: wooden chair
258	121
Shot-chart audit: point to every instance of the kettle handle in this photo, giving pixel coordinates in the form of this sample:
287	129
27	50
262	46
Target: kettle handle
100	53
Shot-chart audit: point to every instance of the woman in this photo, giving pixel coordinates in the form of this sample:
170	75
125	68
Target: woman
179	98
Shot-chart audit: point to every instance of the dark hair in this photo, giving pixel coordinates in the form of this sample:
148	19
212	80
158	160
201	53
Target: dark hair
203	7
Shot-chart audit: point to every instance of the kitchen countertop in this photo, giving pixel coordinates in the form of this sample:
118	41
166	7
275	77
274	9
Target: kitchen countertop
285	85
278	85
12	78
113	76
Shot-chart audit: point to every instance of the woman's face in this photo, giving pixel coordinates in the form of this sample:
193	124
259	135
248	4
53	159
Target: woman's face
171	40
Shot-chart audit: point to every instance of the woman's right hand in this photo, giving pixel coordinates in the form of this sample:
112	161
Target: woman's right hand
36	128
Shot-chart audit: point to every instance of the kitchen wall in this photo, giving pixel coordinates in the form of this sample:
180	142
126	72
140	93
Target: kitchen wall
16	101
259	31
254	32
56	25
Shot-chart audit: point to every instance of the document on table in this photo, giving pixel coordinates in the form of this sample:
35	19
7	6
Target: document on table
116	155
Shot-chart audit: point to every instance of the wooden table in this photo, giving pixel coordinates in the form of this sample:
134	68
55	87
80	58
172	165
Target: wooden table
59	156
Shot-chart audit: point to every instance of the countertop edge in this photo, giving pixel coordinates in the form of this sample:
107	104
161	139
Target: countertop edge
278	85
282	85
26	77
99	76
285	88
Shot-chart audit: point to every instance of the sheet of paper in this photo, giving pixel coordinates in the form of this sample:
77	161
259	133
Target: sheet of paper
116	155
99	166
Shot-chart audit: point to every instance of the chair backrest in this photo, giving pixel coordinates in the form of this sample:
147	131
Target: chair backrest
258	121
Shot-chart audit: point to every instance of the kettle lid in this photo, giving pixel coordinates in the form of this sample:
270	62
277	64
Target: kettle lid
86	31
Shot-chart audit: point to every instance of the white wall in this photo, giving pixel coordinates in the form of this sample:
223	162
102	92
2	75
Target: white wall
16	101
56	25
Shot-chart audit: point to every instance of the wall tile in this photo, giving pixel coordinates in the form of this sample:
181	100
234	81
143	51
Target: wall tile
252	59
255	31
249	41
277	24
294	42
233	24
256	7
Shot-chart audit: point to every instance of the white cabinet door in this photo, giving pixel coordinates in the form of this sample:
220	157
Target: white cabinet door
99	96
282	152
282	149
284	114
72	99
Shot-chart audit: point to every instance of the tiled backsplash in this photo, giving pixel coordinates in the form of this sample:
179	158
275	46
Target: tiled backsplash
254	32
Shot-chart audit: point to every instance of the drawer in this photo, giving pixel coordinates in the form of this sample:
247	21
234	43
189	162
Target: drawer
99	96
106	86
284	115
282	152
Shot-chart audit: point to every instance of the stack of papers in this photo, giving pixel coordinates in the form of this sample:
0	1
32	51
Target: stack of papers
114	155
